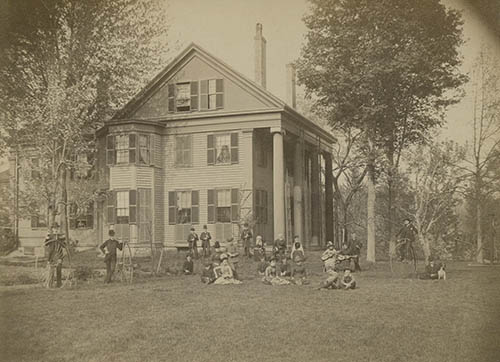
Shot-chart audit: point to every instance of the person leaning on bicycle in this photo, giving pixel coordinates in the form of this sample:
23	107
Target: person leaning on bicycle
405	237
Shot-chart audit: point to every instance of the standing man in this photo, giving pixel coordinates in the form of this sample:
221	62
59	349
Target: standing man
193	243
405	237
205	241
246	238
108	248
55	245
355	251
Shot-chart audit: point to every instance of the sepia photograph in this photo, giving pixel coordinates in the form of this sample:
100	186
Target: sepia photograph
250	180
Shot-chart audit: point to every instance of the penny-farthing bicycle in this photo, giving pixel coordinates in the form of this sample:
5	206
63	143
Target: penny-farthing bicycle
411	256
125	267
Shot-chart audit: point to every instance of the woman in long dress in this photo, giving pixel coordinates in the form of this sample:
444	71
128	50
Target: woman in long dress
224	273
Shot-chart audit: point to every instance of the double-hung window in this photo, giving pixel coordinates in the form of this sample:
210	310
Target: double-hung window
223	205
130	148
183	151
222	149
211	94
183	207
192	96
81	217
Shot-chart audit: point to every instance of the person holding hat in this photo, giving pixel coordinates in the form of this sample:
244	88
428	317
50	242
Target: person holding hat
55	244
246	238
405	237
193	242
224	272
347	281
205	241
108	248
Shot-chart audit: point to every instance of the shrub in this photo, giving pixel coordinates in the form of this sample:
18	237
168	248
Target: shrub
8	241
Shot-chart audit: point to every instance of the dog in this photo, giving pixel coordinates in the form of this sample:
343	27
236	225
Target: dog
442	272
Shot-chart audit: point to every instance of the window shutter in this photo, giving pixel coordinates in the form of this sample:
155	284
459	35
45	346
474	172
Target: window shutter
111	207
171	97
210	150
195	207
179	140
234	147
257	205
132	206
211	206
204	95
172	207
110	150
194	96
235	205
219	88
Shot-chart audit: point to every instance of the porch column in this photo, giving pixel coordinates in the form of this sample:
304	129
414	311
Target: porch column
328	197
298	191
315	200
278	182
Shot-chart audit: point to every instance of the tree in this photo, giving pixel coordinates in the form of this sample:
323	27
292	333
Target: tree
434	181
386	67
69	65
483	156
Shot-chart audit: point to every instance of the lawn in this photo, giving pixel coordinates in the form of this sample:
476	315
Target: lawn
176	318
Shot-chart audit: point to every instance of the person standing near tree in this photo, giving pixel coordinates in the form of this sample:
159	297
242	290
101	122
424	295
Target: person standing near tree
405	237
246	238
355	251
55	244
108	248
193	243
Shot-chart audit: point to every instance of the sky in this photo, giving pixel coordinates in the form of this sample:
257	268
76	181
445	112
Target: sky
226	28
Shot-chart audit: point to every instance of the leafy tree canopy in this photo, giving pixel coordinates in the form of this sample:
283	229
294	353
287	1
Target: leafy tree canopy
386	66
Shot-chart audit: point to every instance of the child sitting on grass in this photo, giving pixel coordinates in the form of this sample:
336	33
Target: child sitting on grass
299	272
271	276
347	281
188	267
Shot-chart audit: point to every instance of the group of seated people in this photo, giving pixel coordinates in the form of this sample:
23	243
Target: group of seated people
278	268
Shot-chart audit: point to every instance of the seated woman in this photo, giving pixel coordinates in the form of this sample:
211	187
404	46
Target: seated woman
431	270
329	256
207	274
271	276
347	281
297	249
259	251
224	272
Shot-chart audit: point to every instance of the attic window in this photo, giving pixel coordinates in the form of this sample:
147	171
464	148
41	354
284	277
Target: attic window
183	97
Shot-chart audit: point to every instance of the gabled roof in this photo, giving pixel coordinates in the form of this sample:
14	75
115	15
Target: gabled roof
193	49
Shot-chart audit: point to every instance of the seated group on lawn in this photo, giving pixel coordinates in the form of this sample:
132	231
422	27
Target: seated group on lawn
220	264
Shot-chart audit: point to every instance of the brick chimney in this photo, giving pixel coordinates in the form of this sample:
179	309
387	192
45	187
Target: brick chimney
260	56
291	96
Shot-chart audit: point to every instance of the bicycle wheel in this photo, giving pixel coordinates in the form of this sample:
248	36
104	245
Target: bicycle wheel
412	257
126	267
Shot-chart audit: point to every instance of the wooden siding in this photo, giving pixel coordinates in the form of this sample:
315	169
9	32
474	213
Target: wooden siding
144	177
203	177
196	69
123	177
159	207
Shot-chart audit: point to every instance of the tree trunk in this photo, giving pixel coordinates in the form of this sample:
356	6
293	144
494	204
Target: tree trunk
479	231
390	213
426	246
64	208
370	242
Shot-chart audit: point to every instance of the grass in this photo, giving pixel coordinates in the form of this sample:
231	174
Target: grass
176	318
